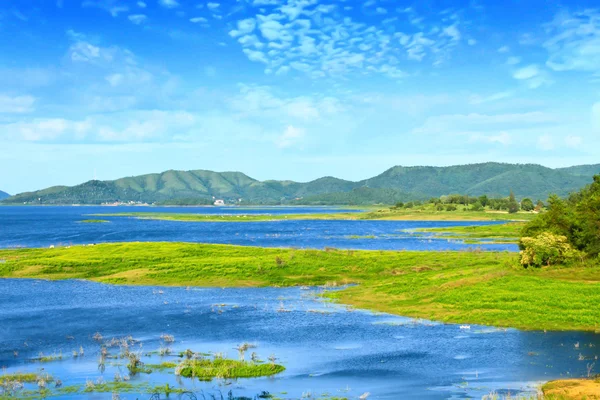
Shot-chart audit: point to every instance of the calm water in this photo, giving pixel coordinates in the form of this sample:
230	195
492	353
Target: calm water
44	226
335	351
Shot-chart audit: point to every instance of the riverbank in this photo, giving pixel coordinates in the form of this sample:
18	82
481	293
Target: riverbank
588	389
460	287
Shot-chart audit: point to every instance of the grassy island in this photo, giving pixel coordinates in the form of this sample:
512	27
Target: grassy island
207	369
463	287
423	214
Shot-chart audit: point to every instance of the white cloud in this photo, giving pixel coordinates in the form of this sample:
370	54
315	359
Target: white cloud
198	20
466	123
504	49
244	27
502	138
452	31
133	126
169	3
85	52
575	41
141	4
137	18
573	141
109	5
533	76
545	142
16	104
255	55
527	72
45	129
260	101
320	41
114	79
290	137
213	6
513	60
493	97
472	42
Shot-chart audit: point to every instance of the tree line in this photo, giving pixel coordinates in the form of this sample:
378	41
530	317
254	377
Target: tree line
476	203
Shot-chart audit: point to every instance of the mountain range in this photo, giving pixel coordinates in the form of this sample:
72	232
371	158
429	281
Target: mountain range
3	195
396	184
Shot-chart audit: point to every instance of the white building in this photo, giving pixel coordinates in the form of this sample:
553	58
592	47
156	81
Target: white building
219	203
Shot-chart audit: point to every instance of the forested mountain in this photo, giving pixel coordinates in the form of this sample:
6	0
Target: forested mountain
3	195
395	184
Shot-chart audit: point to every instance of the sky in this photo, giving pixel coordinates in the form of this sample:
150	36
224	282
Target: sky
292	89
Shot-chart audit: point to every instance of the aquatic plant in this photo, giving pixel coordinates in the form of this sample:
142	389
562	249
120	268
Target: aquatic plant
164	351
167	338
243	348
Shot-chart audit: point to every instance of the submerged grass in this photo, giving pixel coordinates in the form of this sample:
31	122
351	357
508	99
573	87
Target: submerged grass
463	287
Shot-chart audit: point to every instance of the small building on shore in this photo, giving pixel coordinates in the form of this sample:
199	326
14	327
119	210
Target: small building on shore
219	203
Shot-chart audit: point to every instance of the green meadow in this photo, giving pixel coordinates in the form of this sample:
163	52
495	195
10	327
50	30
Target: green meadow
424	213
462	287
502	233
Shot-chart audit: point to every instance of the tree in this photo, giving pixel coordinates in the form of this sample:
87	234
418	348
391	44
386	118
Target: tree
483	200
539	206
513	206
527	205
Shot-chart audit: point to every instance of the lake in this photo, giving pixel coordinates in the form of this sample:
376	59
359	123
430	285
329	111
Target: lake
326	348
32	226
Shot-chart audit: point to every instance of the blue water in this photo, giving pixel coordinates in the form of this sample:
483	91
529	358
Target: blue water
45	226
326	348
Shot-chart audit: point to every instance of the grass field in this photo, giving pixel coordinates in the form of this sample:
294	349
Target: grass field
503	233
415	214
462	287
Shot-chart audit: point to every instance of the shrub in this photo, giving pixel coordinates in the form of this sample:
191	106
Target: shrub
527	205
547	249
477	206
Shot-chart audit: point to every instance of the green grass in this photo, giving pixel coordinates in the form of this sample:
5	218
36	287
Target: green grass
161	367
207	369
19	377
425	213
461	287
47	359
503	233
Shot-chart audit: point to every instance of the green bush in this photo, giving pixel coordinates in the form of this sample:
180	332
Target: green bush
547	249
527	205
477	206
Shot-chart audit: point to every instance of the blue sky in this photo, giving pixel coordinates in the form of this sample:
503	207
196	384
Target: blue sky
292	89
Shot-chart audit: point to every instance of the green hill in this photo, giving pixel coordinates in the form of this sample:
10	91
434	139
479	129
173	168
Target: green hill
3	195
396	184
